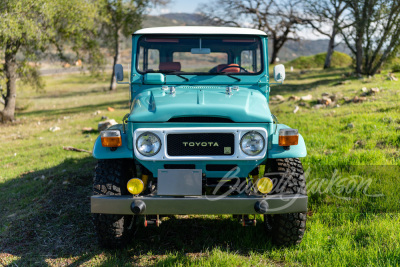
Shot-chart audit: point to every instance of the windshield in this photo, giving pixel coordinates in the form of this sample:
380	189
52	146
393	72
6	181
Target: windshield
199	55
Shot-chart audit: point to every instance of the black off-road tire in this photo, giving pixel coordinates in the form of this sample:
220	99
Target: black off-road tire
111	176
286	229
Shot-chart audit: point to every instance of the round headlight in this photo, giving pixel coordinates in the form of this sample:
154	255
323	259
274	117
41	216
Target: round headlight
148	144
252	143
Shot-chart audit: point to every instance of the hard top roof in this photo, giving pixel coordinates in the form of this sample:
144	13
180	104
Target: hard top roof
200	30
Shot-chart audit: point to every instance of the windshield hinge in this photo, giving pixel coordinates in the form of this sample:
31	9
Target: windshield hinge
263	81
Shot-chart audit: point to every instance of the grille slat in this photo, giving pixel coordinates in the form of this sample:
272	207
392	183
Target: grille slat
201	144
179	166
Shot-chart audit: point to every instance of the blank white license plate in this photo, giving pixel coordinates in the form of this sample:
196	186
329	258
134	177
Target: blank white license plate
179	182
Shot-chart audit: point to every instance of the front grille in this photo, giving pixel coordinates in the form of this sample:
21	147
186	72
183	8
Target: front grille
201	144
179	166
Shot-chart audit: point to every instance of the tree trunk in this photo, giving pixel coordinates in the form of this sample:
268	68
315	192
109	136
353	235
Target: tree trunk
359	55
331	49
113	85
274	54
10	71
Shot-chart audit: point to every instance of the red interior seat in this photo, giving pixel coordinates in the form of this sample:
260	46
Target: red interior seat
172	66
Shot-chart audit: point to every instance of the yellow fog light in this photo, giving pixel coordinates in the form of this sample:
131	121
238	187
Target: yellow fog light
264	185
135	186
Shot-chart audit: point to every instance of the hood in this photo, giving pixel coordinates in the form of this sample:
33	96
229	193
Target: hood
245	105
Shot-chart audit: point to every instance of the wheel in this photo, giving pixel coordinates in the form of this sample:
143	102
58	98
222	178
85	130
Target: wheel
287	229
111	176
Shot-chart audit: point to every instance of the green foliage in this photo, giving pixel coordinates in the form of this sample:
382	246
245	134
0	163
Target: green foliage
30	75
30	26
339	60
393	64
36	24
121	17
396	68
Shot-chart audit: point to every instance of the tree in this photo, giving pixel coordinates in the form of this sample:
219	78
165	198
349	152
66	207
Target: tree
280	19
28	26
327	17
374	33
123	18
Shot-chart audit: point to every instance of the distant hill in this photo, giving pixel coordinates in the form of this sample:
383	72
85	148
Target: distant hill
174	19
187	19
289	51
292	49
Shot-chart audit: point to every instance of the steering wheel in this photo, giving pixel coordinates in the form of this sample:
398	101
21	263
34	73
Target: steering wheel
226	67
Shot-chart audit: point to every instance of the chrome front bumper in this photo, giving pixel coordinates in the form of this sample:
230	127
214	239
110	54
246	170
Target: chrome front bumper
166	205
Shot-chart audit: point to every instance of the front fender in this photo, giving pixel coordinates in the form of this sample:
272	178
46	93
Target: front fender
277	152
122	152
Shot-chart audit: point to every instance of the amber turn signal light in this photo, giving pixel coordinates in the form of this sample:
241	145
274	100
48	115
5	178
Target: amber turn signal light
288	137
111	138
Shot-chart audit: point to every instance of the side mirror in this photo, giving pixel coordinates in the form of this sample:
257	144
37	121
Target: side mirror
119	72
279	73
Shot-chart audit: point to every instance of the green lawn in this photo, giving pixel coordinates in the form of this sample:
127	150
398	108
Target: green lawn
352	168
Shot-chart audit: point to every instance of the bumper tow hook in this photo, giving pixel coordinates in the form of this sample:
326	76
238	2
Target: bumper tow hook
138	207
261	207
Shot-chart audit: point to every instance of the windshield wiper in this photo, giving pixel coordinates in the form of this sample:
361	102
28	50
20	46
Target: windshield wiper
233	77
183	77
173	72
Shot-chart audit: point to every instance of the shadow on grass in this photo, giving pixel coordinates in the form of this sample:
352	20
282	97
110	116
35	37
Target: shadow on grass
99	89
67	93
81	109
326	78
46	216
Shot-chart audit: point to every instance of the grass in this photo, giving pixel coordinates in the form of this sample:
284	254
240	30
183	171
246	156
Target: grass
45	190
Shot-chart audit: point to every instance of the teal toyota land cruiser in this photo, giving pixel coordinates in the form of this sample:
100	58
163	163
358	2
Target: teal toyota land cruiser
199	138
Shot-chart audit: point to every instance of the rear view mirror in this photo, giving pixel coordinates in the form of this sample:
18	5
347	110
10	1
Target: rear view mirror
119	72
200	51
279	73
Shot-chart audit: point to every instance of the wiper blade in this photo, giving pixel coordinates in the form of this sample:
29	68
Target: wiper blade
174	72
233	77
183	77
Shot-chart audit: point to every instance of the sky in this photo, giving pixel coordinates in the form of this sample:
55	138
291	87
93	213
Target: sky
190	6
179	6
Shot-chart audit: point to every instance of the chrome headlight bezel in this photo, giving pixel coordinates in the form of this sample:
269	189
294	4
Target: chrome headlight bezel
256	152
152	152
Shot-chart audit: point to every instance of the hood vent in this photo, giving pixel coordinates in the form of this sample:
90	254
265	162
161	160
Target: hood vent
201	119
